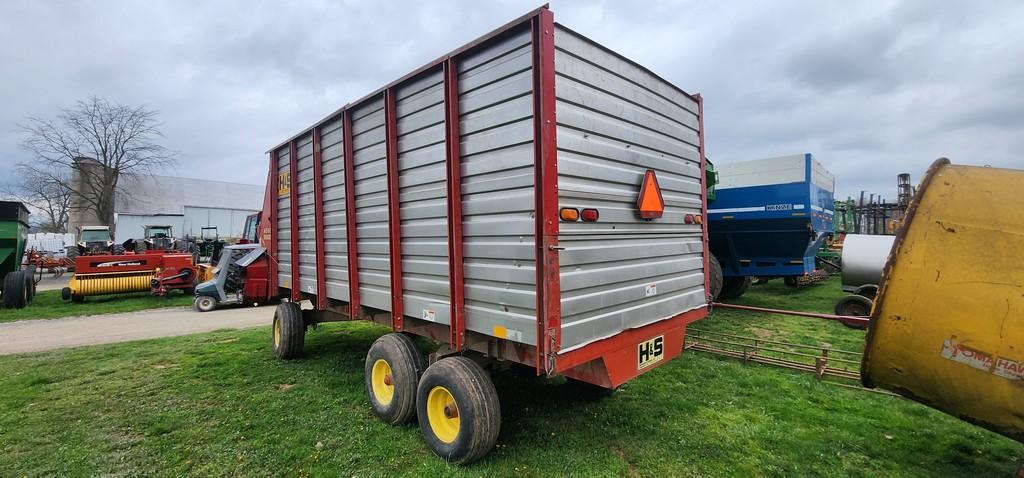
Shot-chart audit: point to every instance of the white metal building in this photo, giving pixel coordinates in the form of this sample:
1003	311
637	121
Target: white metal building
185	204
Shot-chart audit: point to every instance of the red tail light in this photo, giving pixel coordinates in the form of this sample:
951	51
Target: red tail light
589	215
688	219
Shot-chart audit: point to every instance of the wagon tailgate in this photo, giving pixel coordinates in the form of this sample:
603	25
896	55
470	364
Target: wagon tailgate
616	120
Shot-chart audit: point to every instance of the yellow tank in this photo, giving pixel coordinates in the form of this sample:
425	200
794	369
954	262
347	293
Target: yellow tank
947	328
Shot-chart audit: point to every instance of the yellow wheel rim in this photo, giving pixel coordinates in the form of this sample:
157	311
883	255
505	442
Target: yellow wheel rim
277	333
443	414
381	382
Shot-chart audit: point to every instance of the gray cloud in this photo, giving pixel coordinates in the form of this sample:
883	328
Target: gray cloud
871	88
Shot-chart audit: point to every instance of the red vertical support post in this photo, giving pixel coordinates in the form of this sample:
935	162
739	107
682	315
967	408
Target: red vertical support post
703	195
546	192
351	239
394	207
456	278
318	208
293	190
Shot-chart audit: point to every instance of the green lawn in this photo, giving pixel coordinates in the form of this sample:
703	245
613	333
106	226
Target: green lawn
48	305
220	404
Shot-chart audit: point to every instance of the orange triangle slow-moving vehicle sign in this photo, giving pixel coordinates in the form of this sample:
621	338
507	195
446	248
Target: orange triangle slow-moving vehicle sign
650	203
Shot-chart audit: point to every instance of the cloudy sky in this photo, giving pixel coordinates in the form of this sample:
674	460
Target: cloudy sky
872	88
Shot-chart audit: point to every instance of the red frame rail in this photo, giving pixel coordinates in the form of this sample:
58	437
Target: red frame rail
545	151
453	137
394	209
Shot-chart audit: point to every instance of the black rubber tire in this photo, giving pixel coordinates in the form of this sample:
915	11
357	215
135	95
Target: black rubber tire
868	290
407	364
477	404
30	284
65	293
733	287
15	291
714	277
204	303
791	281
854	305
289	331
117	249
78	299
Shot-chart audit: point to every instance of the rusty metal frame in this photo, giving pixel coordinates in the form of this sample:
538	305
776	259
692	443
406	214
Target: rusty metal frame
456	276
394	208
546	192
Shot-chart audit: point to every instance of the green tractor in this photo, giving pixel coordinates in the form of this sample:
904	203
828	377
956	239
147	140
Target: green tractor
210	244
16	286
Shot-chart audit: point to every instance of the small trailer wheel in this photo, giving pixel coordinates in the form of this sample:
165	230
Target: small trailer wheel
868	290
458	410
714	277
15	291
205	303
289	331
393	368
854	305
65	293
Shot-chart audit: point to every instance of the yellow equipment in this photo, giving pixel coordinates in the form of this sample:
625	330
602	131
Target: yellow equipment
947	328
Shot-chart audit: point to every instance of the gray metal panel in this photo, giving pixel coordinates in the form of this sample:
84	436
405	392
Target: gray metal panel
496	121
335	243
284	245
615	121
370	178
422	190
306	214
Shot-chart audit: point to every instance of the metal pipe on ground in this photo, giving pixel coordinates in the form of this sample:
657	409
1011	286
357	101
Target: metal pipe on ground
849	319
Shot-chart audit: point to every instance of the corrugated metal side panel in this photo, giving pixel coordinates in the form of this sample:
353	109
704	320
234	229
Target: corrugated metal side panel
307	214
370	176
762	172
496	121
615	121
284	235
422	178
821	177
335	245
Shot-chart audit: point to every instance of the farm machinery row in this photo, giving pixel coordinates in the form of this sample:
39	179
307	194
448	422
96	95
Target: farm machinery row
158	263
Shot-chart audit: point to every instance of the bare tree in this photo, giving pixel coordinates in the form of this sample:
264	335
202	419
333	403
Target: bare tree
47	196
88	148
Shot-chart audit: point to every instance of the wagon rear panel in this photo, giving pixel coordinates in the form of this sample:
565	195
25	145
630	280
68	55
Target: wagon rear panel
616	121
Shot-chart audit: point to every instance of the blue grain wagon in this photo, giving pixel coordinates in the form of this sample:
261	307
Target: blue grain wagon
769	218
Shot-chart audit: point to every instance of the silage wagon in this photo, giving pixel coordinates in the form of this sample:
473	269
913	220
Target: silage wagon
531	198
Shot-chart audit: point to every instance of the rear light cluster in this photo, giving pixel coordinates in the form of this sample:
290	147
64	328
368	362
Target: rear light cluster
693	219
571	214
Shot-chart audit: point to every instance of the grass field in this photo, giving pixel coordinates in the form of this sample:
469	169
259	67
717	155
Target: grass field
219	404
48	305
